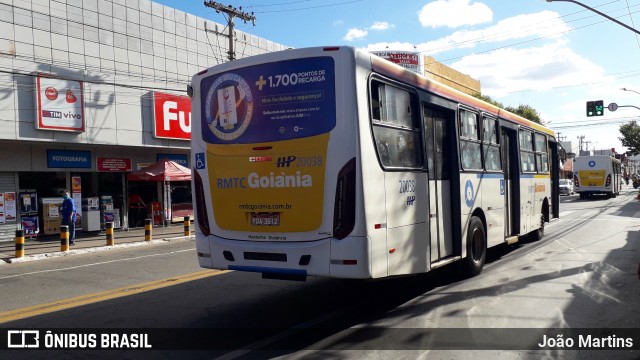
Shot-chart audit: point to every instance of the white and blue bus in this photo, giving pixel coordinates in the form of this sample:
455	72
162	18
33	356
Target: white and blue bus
331	161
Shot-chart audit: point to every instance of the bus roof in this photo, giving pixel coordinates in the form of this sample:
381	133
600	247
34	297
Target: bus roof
382	66
386	67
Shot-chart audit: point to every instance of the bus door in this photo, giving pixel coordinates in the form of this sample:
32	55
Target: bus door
440	212
510	164
397	130
555	180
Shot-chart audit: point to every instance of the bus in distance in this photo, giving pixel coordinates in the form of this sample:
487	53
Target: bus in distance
597	174
333	162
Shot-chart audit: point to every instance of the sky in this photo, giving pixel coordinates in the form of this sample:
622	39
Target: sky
553	56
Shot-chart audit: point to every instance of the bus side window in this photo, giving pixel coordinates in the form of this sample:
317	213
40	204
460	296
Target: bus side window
470	150
396	129
527	155
492	158
541	153
375	109
383	150
490	144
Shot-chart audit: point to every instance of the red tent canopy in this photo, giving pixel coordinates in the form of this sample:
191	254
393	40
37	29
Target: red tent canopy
163	170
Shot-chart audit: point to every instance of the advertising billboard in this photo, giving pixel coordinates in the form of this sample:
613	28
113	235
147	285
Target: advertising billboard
171	116
59	104
406	59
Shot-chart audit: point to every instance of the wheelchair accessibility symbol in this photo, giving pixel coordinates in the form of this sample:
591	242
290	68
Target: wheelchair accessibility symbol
200	164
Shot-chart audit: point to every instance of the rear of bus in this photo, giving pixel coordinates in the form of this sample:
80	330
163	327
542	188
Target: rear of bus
593	175
275	165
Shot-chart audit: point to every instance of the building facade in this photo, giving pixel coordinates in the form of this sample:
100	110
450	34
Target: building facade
451	77
91	90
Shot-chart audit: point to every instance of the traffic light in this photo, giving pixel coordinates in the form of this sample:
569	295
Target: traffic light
591	108
599	108
595	108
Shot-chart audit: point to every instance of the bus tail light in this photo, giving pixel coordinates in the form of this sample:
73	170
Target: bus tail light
576	180
201	204
344	211
608	180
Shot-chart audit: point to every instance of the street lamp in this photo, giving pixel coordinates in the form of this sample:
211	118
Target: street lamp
599	13
614	106
625	89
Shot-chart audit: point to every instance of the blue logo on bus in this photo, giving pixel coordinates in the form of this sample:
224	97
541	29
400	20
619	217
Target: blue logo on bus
229	107
501	186
200	161
592	163
468	193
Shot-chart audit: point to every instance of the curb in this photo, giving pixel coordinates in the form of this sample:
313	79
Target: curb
90	250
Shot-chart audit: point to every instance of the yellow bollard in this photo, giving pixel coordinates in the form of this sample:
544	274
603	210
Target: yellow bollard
187	226
147	230
109	230
64	238
19	243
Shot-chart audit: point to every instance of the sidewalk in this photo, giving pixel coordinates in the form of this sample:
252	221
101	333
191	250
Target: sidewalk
49	246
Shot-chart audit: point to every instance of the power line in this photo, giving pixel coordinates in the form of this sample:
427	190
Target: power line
138	87
632	23
232	13
279	4
484	39
310	7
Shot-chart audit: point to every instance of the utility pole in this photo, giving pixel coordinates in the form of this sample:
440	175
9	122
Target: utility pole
580	140
560	138
232	12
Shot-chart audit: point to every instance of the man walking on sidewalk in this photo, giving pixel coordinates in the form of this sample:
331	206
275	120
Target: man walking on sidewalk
69	216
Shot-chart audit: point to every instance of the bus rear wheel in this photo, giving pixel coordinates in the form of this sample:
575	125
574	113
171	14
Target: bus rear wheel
476	248
538	233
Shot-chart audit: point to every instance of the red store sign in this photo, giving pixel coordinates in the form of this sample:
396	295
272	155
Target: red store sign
171	116
113	164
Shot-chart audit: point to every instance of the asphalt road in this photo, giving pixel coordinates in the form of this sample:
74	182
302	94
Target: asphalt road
581	275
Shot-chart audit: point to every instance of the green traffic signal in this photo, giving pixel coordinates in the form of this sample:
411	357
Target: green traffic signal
595	108
599	107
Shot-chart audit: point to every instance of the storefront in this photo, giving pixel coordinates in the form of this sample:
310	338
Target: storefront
95	175
172	200
79	106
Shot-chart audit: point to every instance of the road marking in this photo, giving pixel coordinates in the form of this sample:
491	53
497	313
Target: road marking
635	220
94	264
257	345
565	213
104	295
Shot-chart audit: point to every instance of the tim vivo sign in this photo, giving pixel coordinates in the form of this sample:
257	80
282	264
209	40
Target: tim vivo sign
171	116
59	104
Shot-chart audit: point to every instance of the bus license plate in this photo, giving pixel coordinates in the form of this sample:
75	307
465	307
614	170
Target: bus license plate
265	219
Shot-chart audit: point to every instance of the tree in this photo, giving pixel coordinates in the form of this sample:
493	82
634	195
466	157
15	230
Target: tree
631	137
525	111
489	99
